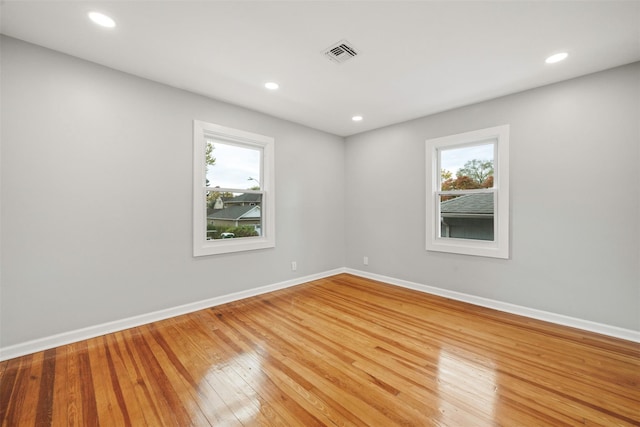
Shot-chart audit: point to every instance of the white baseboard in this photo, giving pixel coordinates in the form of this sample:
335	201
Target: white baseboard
586	325
119	325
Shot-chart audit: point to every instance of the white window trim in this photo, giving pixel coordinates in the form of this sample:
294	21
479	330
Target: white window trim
267	239
499	247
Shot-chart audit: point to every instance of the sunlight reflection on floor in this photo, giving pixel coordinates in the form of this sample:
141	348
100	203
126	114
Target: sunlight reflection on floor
231	385
467	388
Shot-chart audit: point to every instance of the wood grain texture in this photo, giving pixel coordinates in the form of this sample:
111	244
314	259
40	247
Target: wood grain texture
341	351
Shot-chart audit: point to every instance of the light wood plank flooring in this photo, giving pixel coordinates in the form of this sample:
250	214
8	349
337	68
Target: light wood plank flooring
341	351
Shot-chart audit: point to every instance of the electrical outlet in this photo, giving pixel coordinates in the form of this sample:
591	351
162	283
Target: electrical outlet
365	261
294	266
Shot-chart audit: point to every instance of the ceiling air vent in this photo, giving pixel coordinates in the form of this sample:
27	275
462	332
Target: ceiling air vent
341	51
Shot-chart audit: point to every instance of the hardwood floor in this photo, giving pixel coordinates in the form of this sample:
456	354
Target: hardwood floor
342	351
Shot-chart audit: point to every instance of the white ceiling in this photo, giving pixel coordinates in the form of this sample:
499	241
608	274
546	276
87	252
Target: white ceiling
416	57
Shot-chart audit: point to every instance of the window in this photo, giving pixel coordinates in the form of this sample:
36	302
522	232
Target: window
233	190
468	193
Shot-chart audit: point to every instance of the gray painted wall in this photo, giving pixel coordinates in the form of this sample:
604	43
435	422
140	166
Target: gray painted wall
97	197
575	200
96	191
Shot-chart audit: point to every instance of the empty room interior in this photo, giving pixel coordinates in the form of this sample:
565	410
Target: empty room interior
299	213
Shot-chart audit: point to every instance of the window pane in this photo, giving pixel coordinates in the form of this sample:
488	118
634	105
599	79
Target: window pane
233	215
468	216
231	166
467	168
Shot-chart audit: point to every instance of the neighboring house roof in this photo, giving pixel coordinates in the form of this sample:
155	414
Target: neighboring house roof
243	198
235	213
480	204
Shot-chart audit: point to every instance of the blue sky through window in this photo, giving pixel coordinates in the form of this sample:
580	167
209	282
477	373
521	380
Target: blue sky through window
454	158
234	166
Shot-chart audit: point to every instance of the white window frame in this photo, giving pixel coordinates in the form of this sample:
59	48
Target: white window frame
201	246
499	247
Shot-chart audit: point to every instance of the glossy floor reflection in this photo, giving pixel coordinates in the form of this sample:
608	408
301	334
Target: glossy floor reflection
467	388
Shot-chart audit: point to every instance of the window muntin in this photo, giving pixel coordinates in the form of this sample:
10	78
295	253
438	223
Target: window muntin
468	204
233	190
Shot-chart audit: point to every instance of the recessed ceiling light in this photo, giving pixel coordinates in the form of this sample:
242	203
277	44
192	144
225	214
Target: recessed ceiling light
556	58
356	118
102	19
271	85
